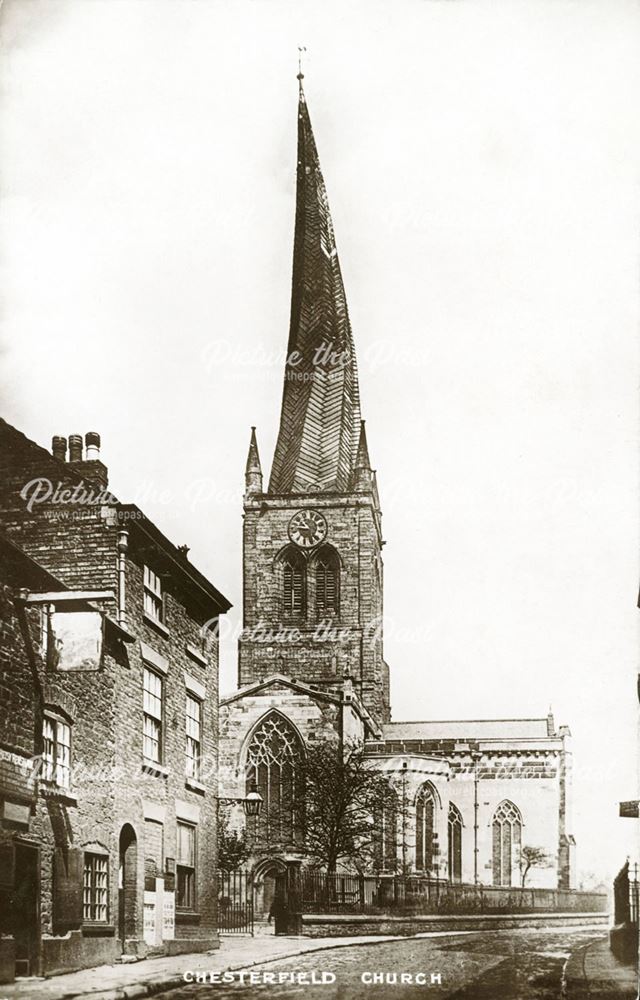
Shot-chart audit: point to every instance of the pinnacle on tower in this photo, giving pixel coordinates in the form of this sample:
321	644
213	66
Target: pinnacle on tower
253	470
362	473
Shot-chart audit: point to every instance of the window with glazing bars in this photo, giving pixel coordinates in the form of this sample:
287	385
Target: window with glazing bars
56	751
153	599
186	867
152	734
193	724
95	888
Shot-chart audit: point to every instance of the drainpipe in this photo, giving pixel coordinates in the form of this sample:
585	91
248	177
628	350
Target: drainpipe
123	544
475	756
404	818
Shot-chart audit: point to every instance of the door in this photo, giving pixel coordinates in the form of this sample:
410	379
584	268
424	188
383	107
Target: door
25	910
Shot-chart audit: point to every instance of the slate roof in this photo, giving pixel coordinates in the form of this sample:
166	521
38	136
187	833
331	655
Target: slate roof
473	729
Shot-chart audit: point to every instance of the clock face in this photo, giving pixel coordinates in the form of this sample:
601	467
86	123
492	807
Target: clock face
307	528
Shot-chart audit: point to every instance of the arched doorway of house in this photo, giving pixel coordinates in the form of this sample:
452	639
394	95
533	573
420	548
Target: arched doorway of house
269	877
127	885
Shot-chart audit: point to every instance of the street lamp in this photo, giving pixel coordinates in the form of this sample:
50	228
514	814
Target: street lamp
251	804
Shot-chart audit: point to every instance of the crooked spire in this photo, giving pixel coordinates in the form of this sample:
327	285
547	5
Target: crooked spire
320	417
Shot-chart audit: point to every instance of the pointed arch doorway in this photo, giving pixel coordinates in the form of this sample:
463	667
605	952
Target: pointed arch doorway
270	881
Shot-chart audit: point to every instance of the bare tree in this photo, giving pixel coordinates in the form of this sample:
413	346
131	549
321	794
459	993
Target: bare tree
341	794
532	857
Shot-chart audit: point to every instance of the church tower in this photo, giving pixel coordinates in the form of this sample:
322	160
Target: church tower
312	560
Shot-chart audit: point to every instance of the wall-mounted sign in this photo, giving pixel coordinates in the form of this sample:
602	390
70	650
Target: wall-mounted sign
168	916
76	640
630	809
17	775
16	812
149	927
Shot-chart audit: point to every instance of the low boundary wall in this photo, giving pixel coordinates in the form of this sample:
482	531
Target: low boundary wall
353	925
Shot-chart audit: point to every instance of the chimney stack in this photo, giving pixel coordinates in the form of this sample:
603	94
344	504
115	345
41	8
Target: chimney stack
59	448
92	441
90	465
75	447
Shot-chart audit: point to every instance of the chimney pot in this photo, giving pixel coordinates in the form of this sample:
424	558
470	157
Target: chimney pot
59	448
75	447
92	441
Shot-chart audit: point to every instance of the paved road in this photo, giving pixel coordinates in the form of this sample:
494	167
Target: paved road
500	965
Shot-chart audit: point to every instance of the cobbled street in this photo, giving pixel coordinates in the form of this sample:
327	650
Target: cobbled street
511	965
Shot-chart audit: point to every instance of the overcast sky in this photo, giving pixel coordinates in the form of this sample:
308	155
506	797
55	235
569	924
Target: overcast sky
482	162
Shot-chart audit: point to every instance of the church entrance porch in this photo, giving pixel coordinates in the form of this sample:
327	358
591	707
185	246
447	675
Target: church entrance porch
270	882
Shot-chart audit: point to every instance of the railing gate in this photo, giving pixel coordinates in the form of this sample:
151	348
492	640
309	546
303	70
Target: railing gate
235	902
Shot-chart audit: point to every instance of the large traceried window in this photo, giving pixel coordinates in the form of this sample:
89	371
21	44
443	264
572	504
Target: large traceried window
327	581
274	761
507	838
386	830
425	829
454	827
294	584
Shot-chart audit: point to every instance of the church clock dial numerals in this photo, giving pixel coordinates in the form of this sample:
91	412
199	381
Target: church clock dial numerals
307	528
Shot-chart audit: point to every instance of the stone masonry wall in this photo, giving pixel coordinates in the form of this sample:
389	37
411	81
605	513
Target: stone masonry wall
353	643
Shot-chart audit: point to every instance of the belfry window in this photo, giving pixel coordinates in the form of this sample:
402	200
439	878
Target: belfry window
293	584
507	838
425	829
274	760
327	577
454	826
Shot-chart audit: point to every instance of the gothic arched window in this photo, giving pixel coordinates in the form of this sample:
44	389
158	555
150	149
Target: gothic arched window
274	760
327	581
507	837
425	828
386	830
454	828
294	583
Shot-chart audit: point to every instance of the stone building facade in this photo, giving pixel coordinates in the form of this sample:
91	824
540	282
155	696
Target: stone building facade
108	698
463	797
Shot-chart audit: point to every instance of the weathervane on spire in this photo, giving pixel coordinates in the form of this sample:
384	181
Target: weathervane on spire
301	49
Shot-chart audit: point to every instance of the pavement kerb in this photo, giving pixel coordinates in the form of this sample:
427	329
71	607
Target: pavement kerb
574	978
171	981
577	984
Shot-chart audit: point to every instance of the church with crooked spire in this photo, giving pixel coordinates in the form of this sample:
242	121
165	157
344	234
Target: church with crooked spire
464	796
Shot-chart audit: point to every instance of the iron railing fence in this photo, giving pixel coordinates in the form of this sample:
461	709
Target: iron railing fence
235	902
349	893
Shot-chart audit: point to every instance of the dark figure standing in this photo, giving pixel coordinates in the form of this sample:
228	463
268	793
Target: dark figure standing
279	911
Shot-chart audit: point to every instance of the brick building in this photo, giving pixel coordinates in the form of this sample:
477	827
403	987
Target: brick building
108	699
463	797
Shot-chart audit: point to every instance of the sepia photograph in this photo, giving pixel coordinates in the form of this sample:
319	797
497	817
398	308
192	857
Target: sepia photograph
319	496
